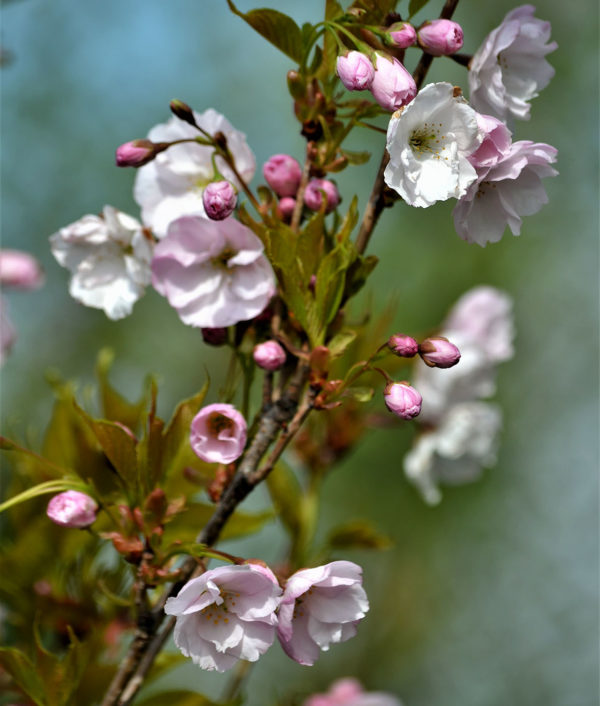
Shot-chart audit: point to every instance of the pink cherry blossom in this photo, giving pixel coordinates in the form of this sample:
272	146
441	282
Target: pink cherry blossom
172	184
509	68
218	433
495	144
319	607
392	86
349	692
225	615
503	193
283	174
72	509
20	270
213	273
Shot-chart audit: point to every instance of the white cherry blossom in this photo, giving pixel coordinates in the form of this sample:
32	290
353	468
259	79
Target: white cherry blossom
509	68
172	184
109	259
428	142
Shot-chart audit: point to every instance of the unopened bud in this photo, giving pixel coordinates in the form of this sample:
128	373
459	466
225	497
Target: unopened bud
438	352
313	195
402	399
402	35
20	270
269	355
440	37
296	85
355	71
138	152
403	345
72	509
214	336
219	199
285	208
392	85
183	111
319	359
283	174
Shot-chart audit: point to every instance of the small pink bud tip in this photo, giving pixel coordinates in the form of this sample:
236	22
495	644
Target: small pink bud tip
285	208
214	336
283	174
313	196
440	37
403	345
135	153
72	509
402	399
20	270
219	199
402	35
355	71
438	352
269	355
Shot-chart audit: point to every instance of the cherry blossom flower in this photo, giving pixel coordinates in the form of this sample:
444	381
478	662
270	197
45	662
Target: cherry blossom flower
109	260
503	193
172	184
213	273
218	433
495	145
509	68
319	607
455	452
355	71
225	615
72	509
349	692
429	143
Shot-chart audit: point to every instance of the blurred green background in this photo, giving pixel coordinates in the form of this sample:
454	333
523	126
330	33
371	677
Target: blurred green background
490	598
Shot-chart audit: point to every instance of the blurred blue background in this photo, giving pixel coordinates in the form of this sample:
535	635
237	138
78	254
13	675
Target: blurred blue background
490	598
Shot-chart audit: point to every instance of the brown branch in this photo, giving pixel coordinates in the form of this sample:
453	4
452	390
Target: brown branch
377	202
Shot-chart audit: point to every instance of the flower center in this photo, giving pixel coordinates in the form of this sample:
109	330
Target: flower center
217	612
223	258
217	422
427	140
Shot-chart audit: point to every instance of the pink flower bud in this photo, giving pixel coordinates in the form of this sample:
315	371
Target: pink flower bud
440	37
402	399
438	352
218	433
219	199
136	153
403	345
20	270
72	509
214	336
392	85
283	174
313	196
285	208
355	71
269	355
402	35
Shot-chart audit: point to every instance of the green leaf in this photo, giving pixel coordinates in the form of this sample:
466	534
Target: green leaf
415	5
277	28
22	670
286	495
51	486
360	394
340	342
177	452
356	157
357	274
186	525
358	534
117	444
150	448
114	406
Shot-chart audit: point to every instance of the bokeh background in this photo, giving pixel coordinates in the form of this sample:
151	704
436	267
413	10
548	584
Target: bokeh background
488	599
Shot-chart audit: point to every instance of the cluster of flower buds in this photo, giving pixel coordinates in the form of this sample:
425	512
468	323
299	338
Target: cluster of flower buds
232	613
283	174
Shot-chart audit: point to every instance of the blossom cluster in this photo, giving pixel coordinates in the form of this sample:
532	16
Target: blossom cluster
233	612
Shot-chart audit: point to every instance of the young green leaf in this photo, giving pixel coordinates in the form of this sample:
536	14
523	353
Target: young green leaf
358	534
